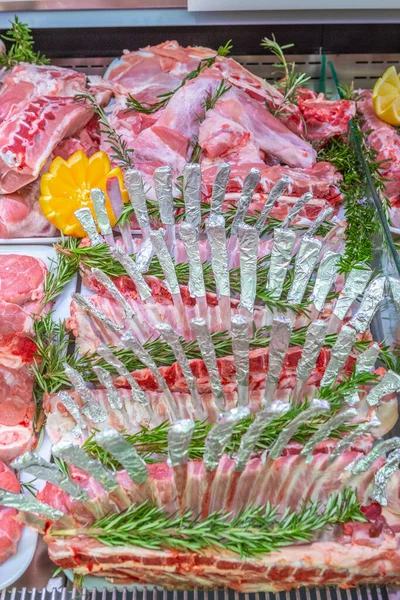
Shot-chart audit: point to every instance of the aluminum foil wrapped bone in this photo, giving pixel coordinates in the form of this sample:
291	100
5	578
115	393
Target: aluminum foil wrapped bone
73	409
316	407
76	456
85	218
346	442
134	186
90	408
192	194
179	437
130	267
144	256
114	292
301	202
372	298
207	350
115	444
278	346
305	261
339	354
276	192
98	198
165	260
190	238
163	185
240	348
361	465
323	432
249	185
129	341
389	384
254	432
27	504
355	285
315	338
219	188
172	339
326	275
322	216
219	436
216	234
106	381
382	478
366	361
96	312
137	393
281	255
248	245
40	468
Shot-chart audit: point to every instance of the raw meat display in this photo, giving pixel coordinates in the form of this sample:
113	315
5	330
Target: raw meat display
221	396
21	301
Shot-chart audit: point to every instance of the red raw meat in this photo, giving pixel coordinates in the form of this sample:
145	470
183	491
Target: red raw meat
324	118
10	528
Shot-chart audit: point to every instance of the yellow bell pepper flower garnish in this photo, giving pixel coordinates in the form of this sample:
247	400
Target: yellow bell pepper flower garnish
66	187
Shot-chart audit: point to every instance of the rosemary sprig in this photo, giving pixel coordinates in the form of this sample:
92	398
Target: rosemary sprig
22	46
127	212
152	444
52	342
122	154
149	108
62	270
359	211
253	532
28	486
291	79
213	98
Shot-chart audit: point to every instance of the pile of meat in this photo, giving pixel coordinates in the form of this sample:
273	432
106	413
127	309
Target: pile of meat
21	300
350	554
385	140
39	120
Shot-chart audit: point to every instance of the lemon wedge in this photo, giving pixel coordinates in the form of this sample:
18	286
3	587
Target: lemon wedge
386	97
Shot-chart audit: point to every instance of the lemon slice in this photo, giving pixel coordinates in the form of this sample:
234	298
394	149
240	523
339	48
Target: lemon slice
386	97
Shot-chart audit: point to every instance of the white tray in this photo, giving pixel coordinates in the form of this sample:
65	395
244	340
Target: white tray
28	241
14	567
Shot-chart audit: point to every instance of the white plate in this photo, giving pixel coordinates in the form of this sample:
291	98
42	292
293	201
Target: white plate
14	567
28	241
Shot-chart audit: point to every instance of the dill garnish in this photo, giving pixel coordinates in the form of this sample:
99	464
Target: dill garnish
21	49
253	532
149	108
121	153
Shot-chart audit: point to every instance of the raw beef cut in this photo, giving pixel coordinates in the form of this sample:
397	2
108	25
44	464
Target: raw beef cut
10	528
21	279
21	215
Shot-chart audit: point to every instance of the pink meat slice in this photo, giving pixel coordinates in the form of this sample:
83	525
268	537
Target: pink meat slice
10	528
16	402
21	278
21	215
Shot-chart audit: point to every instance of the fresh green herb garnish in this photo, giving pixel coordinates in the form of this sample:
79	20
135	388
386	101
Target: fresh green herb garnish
253	532
149	108
21	49
291	80
122	154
